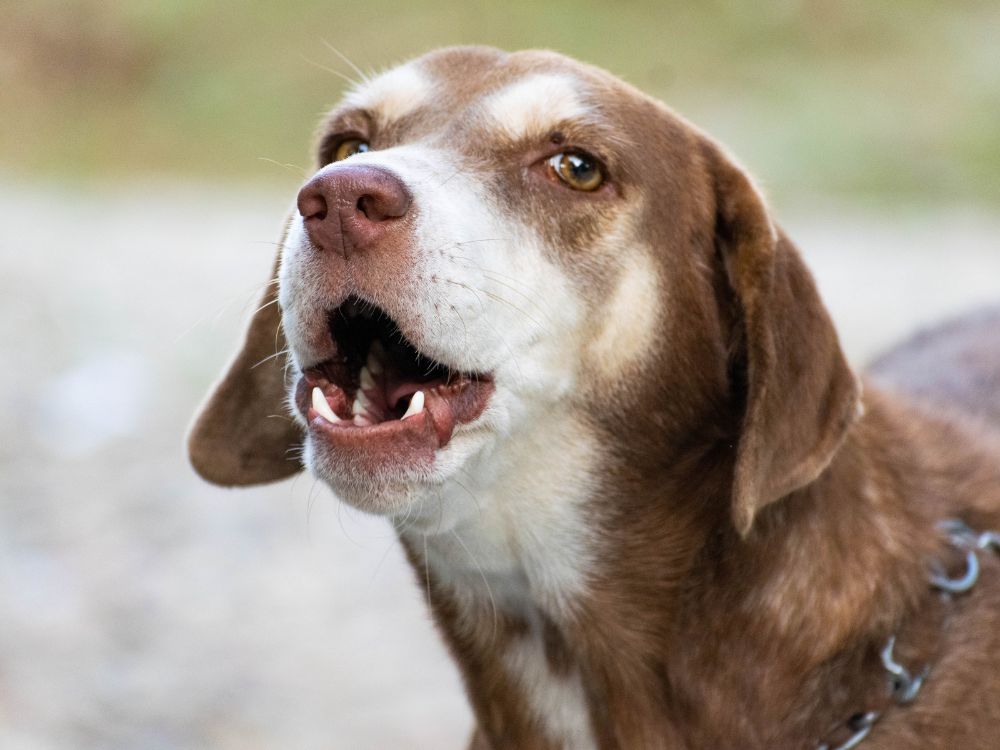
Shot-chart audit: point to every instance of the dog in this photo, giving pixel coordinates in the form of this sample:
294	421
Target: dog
552	332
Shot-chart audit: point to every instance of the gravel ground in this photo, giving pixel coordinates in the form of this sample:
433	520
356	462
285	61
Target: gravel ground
140	608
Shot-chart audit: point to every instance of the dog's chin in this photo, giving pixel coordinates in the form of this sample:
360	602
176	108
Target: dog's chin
405	489
378	497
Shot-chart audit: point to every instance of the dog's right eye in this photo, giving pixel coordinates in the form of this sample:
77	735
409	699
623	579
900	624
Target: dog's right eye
350	147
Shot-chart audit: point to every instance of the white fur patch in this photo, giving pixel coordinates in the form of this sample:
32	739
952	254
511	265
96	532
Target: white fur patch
393	94
514	534
558	704
630	316
535	104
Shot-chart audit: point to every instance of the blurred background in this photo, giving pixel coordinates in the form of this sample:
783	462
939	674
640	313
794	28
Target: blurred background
148	151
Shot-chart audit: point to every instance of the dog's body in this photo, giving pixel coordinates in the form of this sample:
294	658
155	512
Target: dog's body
551	331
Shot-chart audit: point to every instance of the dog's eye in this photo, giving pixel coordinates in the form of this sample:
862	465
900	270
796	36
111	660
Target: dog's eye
350	147
578	170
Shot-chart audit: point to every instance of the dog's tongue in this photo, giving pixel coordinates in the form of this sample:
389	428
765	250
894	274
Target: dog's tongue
399	386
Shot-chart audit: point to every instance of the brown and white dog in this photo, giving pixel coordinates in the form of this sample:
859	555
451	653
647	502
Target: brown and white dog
551	331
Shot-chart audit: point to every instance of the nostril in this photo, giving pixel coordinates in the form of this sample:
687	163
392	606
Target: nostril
380	205
312	204
375	207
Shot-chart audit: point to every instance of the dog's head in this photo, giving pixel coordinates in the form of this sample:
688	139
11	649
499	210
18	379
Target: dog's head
492	240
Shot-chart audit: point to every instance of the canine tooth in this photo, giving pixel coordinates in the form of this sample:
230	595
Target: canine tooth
375	356
416	405
322	406
367	381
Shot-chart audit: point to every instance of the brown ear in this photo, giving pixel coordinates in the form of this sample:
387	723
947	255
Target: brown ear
242	433
801	396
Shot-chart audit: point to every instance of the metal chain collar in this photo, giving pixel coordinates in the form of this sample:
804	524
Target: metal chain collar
903	686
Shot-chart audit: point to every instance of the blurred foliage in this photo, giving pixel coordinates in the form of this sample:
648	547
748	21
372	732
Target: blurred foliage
891	101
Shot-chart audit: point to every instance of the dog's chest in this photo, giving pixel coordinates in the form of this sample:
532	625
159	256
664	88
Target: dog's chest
513	570
513	619
552	692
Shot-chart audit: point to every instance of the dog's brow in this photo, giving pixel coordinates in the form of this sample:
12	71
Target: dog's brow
393	94
535	104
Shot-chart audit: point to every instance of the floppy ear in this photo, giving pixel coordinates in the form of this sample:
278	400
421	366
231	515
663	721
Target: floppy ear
800	395
242	433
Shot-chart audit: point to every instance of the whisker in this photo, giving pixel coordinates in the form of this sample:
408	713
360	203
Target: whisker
475	499
497	298
485	239
486	320
450	177
213	318
489	271
510	304
265	306
427	572
340	522
269	357
309	507
337	73
489	589
363	78
295	168
385	555
528	298
405	522
277	334
465	328
291	495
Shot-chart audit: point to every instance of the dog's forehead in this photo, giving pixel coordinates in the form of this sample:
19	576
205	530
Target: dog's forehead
513	95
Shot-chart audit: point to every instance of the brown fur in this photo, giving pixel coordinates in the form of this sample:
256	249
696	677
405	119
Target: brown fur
761	529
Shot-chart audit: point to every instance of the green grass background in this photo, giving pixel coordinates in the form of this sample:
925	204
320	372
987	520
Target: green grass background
885	102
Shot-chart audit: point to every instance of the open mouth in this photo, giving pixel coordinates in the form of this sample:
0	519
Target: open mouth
380	396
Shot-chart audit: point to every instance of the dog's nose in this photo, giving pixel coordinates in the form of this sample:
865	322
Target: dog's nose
350	207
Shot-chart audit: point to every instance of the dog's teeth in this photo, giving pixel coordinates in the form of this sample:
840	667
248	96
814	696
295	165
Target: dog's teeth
376	354
362	405
416	405
367	381
361	420
322	406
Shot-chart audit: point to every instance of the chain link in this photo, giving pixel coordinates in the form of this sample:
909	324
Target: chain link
903	686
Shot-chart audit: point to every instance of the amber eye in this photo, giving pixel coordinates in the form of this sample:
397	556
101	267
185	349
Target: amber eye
578	170
350	147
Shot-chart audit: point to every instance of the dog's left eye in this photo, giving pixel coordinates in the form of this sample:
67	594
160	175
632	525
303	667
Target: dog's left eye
350	147
577	169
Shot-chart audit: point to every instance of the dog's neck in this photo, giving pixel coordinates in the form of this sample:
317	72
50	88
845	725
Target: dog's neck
622	611
505	559
515	534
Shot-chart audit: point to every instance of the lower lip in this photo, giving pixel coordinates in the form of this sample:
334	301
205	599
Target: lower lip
393	446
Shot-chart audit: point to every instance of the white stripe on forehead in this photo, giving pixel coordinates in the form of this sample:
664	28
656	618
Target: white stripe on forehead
535	104
392	94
